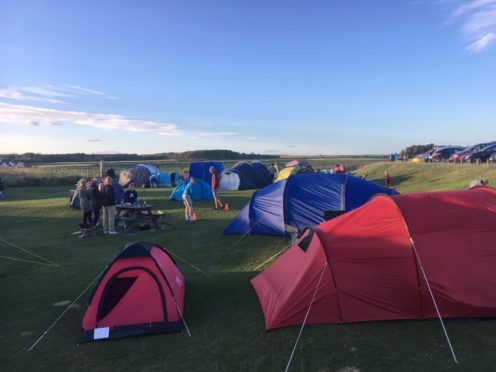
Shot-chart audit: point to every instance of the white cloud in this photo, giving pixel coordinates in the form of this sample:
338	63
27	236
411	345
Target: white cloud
481	43
251	138
49	93
35	116
477	20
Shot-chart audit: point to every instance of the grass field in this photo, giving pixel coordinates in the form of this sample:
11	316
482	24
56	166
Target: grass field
221	308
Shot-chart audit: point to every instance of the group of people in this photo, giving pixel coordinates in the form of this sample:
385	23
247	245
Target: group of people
188	194
97	199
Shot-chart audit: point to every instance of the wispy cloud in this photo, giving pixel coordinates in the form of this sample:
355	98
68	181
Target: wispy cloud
477	20
36	116
49	93
94	140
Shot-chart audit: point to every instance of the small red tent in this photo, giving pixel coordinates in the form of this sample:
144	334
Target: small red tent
369	263
142	291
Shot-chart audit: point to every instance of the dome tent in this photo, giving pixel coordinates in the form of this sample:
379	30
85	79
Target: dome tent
368	264
301	201
201	191
140	292
139	175
245	176
294	167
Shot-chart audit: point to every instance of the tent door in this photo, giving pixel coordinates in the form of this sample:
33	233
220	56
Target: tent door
116	288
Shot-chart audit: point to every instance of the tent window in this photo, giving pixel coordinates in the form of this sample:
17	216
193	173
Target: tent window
305	242
114	291
329	215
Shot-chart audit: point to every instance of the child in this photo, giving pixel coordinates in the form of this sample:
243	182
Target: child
188	199
84	202
388	180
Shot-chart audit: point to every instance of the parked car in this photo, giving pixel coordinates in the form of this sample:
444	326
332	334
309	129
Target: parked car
483	155
492	158
425	156
444	153
460	155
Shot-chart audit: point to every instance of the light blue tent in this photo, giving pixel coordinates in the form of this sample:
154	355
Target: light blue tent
167	179
301	201
201	191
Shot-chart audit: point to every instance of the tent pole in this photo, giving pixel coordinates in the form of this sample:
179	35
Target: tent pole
434	301
305	319
66	310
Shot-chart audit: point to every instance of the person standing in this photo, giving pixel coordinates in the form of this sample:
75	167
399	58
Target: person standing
84	202
388	180
107	195
273	171
216	188
188	199
95	201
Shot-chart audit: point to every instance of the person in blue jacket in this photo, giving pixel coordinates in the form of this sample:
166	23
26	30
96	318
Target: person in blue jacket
188	199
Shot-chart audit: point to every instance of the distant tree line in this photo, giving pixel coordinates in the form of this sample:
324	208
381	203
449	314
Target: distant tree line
413	150
36	158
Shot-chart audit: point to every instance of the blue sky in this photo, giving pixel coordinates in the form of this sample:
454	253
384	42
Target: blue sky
292	77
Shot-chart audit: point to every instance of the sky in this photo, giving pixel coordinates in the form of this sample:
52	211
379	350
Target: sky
276	77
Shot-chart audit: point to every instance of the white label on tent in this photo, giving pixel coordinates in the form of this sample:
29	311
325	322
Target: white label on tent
100	333
179	281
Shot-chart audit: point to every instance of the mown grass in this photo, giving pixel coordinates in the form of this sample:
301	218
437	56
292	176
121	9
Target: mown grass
221	308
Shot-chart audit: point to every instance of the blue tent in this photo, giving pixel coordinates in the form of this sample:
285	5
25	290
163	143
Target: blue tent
301	201
201	191
167	179
200	169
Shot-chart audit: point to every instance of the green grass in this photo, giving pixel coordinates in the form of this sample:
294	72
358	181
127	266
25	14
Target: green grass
221	309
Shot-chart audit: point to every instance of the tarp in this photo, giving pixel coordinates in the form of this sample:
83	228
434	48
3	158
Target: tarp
201	191
369	268
200	170
300	201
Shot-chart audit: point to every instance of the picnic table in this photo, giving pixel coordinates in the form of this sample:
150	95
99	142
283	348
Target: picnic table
134	217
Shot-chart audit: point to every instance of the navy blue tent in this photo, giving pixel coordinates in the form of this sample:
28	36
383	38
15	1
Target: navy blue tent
245	176
200	169
201	191
301	201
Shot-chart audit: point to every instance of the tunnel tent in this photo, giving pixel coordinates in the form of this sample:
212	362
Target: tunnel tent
245	175
381	261
201	191
167	179
301	201
201	169
141	175
141	292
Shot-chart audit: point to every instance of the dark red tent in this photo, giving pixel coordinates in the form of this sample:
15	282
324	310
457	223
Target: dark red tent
142	291
369	263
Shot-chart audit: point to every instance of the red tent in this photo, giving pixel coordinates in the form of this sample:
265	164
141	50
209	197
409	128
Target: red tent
367	264
142	291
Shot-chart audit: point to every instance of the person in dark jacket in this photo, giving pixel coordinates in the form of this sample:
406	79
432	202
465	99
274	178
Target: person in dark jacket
107	195
95	201
131	195
84	201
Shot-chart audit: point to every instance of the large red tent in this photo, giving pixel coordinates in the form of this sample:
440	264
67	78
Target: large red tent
369	264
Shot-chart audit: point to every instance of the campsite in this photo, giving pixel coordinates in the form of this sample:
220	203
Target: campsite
220	306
